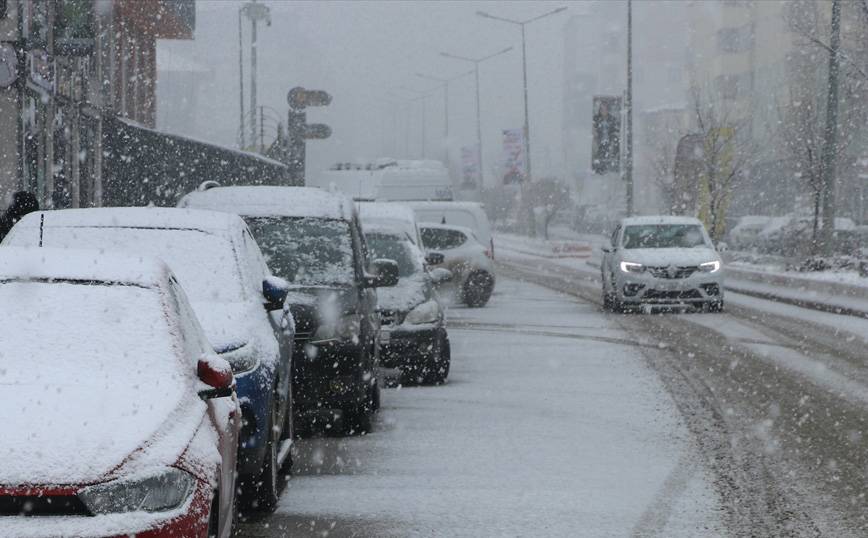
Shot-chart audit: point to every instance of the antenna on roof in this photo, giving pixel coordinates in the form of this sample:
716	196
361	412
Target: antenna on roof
41	227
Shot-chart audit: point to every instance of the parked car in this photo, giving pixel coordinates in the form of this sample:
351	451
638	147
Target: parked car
125	422
313	239
465	257
413	335
234	296
664	261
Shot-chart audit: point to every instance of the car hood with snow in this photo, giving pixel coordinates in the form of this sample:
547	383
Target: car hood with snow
664	257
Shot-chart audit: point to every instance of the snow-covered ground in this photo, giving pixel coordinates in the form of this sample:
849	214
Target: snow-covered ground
551	424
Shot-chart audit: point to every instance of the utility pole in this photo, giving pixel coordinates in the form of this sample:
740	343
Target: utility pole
423	96
241	81
628	153
445	84
527	167
476	62
255	12
830	135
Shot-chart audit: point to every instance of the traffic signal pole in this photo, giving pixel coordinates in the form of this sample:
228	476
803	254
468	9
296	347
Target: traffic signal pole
628	149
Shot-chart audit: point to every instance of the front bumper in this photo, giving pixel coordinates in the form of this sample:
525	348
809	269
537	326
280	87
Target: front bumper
190	520
407	346
331	376
645	288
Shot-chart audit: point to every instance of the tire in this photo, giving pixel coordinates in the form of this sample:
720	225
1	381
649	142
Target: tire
437	369
477	289
715	306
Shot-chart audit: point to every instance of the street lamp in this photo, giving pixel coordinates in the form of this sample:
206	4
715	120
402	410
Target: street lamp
445	85
255	12
476	62
522	24
422	96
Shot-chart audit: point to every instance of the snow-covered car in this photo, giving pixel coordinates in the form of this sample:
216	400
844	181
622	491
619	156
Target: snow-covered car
121	420
465	256
413	333
234	296
661	260
393	214
468	214
313	239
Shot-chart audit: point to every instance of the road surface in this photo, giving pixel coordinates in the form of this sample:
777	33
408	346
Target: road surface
553	423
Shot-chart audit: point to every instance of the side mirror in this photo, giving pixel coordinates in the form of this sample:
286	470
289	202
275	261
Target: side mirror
217	374
385	274
274	290
434	258
439	275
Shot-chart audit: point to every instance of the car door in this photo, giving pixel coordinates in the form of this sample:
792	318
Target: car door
280	321
370	319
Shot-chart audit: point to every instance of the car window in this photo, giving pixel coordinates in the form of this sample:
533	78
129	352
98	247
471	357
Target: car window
440	239
663	236
306	251
392	247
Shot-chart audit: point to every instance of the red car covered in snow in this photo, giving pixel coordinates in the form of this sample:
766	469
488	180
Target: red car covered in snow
118	417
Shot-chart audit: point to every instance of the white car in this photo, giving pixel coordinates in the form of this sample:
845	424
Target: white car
468	214
120	420
466	257
393	215
234	296
663	261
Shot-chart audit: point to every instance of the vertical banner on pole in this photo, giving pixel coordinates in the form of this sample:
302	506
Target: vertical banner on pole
513	156
606	130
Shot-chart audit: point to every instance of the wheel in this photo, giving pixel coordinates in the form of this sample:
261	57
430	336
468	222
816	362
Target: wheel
477	289
437	369
715	306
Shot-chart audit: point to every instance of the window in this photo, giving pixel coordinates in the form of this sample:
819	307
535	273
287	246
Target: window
440	239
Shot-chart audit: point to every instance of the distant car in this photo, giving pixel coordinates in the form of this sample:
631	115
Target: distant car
234	296
663	261
465	256
468	214
125	421
413	334
394	214
745	233
313	239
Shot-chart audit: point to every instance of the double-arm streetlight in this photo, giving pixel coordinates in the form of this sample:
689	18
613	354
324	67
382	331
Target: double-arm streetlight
476	62
445	85
522	24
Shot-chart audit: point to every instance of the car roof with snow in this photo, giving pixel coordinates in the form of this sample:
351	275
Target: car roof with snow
263	201
440	205
386	211
133	217
659	219
35	263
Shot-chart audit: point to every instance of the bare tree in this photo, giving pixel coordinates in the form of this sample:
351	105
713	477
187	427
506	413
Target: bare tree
727	154
661	140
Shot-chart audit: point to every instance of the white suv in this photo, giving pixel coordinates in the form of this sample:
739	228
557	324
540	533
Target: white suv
660	260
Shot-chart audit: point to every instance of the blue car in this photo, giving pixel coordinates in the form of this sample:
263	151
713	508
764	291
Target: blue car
239	304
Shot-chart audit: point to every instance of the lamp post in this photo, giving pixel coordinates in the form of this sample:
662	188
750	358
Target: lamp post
522	25
476	62
445	85
423	95
255	12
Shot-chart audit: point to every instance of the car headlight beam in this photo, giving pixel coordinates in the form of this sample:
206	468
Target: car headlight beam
631	267
710	267
160	492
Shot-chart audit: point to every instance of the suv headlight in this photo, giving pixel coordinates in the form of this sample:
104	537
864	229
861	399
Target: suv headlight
166	490
242	358
710	267
347	327
631	267
427	312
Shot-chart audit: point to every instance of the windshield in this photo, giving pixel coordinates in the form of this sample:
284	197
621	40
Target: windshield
306	251
391	247
663	236
206	265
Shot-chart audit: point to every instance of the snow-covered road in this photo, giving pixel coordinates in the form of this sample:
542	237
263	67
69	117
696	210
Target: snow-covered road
552	424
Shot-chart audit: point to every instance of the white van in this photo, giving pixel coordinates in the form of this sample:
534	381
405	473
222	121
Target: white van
468	214
388	180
